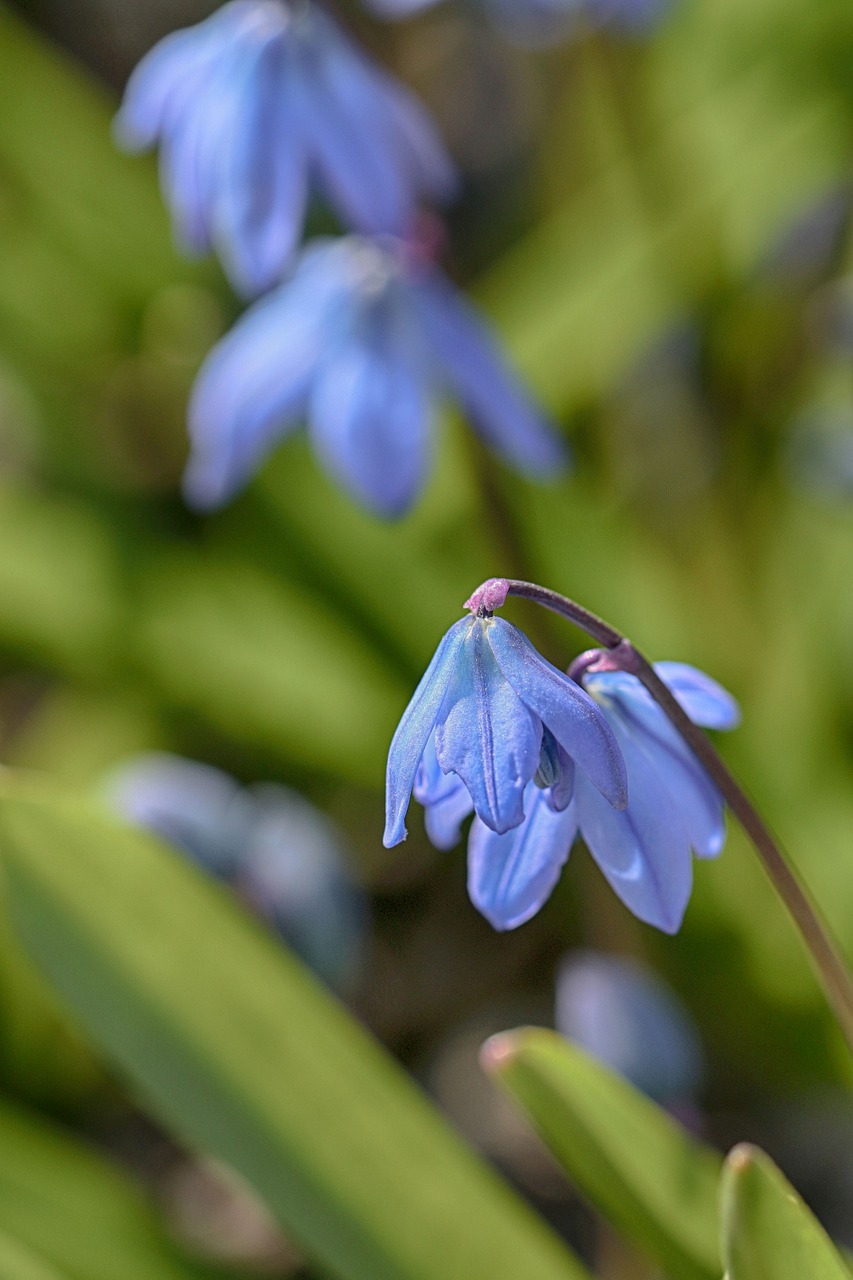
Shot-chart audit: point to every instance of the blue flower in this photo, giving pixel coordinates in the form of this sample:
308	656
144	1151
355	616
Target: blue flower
359	342
492	712
544	21
277	852
644	850
622	1013
256	105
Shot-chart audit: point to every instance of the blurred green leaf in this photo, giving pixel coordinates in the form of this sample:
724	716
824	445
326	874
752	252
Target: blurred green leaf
239	1050
768	1233
268	662
18	1263
643	1172
75	1210
60	590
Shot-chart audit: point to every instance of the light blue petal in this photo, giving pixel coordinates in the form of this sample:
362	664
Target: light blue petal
643	850
369	420
161	86
486	735
445	798
570	713
510	876
263	186
692	792
415	729
471	365
255	383
706	702
346	131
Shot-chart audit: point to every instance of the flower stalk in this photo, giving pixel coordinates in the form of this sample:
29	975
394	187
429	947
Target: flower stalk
621	655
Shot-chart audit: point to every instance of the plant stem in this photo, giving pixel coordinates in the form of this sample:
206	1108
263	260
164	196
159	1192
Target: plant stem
622	656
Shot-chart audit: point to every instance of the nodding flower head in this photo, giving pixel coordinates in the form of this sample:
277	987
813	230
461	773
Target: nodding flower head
359	341
494	714
258	104
645	850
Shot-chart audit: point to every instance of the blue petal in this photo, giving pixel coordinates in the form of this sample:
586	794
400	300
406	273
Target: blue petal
706	702
571	715
369	418
163	83
692	792
472	366
263	185
415	729
510	876
345	128
486	735
255	383
445	798
643	850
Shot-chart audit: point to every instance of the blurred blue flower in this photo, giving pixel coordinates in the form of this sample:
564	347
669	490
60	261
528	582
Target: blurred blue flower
644	849
261	102
358	341
623	1014
545	21
279	853
493	712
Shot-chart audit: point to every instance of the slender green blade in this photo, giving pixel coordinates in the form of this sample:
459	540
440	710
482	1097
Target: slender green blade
74	1211
768	1233
17	1262
242	1053
639	1168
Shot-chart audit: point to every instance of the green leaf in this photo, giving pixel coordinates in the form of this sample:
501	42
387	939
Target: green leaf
768	1233
269	663
18	1263
74	1210
639	1168
233	1045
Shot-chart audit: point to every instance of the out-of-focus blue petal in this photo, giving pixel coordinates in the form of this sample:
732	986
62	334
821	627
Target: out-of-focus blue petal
536	22
629	17
486	734
623	1013
706	702
346	131
165	80
195	807
370	418
643	850
471	364
294	873
259	206
255	383
415	729
445	798
510	876
568	711
399	8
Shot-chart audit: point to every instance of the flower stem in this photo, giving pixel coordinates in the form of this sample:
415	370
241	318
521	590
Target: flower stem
826	955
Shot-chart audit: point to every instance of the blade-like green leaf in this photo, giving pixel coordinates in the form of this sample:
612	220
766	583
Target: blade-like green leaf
768	1233
638	1167
239	1050
74	1210
17	1262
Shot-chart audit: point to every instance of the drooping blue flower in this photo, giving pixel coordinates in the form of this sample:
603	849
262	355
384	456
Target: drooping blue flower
359	341
492	712
622	1013
545	21
280	854
645	849
258	105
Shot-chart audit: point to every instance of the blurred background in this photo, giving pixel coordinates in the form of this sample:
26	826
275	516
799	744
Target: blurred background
659	226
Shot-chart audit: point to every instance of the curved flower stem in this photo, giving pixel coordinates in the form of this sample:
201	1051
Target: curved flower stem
622	656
